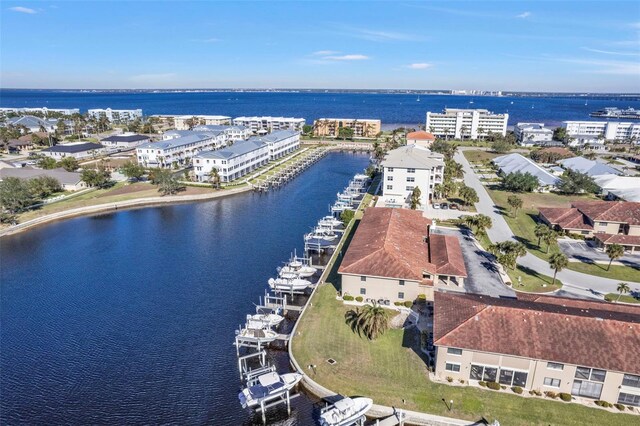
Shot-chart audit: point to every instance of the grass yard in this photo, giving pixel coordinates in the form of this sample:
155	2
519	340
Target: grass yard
625	298
532	281
479	156
390	370
617	272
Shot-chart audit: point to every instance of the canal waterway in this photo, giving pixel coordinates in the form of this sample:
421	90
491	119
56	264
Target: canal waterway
129	317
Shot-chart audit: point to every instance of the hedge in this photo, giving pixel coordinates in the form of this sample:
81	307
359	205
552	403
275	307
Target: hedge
566	397
493	385
517	389
347	298
359	299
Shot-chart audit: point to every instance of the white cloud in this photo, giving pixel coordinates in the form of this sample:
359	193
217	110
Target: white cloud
419	66
524	15
611	52
346	57
23	10
325	52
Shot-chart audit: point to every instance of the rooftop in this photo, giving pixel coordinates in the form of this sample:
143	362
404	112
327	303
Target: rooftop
275	136
421	135
413	157
624	187
183	140
590	334
74	148
235	150
61	175
125	138
512	163
590	167
575	217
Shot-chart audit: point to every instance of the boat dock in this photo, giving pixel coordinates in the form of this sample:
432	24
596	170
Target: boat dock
290	171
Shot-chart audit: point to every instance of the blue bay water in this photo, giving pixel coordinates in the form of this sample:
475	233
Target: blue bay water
392	109
129	317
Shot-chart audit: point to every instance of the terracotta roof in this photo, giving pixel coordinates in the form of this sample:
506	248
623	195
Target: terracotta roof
391	243
625	240
577	303
610	211
591	336
421	135
566	218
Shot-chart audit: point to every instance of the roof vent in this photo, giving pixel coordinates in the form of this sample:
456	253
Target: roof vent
599	319
477	319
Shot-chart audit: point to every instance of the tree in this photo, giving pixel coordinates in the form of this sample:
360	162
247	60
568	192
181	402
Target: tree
507	252
43	186
70	164
469	195
372	320
167	182
47	163
622	288
444	148
15	195
98	177
520	182
214	178
453	170
574	182
346	216
437	190
515	203
352	318
307	129
501	146
540	231
415	198
557	262
132	170
477	223
614	251
560	133
61	128
549	238
345	133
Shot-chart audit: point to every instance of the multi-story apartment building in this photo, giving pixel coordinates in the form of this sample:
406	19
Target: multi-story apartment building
395	255
233	161
178	151
466	123
263	125
116	115
585	348
43	110
189	122
362	128
597	132
280	142
530	134
406	168
232	133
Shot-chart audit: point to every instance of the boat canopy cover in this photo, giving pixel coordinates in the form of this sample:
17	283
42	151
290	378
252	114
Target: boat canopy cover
344	404
269	379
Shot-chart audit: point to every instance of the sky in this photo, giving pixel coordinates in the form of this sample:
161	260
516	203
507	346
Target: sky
574	46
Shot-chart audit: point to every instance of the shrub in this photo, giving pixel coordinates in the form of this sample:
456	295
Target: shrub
359	299
461	381
517	389
397	303
483	384
347	298
550	394
408	304
566	397
604	404
608	298
629	407
503	387
449	379
619	407
422	298
493	385
535	392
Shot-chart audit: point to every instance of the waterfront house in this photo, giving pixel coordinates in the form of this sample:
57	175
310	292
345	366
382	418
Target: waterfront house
77	150
585	348
395	255
233	161
178	151
187	122
406	168
264	125
362	127
117	116
125	141
531	134
421	138
70	181
596	133
466	123
513	163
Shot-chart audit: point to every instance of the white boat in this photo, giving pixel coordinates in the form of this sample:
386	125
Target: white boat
345	412
268	387
321	234
267	320
295	271
256	331
284	284
329	221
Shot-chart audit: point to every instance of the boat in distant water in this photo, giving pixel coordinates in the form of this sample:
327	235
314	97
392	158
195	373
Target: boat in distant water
631	113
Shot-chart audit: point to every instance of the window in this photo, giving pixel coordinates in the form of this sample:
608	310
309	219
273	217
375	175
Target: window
411	170
409	188
454	351
512	378
587	389
411	179
554	383
363	291
400	295
590	374
480	372
452	367
390	169
629	399
389	187
555	366
363	278
631	380
401	282
389	177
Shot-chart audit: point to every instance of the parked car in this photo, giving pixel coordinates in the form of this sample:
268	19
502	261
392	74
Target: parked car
444	206
436	205
454	206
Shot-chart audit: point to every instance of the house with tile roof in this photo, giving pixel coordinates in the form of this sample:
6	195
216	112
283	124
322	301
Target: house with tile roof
395	256
608	222
588	349
421	138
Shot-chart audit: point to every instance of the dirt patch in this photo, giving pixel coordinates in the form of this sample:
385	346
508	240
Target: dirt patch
194	190
127	189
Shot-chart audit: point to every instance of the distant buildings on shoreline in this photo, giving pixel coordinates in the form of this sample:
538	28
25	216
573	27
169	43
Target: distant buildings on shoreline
117	116
454	123
362	128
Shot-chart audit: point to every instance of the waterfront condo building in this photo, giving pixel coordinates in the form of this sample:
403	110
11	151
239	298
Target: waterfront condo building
466	123
43	110
264	125
189	122
362	128
233	161
280	143
531	134
117	116
597	132
585	348
178	151
395	255
406	168
231	133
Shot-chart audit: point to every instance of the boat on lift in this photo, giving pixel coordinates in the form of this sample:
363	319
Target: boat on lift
296	269
268	320
288	284
268	387
345	412
256	331
329	221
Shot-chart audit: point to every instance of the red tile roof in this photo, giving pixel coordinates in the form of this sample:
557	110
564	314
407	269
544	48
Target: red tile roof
610	211
391	243
625	240
566	218
421	135
589	334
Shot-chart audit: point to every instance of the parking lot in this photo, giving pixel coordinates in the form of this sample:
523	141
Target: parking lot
586	251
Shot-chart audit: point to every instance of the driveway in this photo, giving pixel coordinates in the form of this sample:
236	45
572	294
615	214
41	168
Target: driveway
586	251
482	275
500	231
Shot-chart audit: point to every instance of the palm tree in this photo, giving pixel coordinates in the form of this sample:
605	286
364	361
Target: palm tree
515	203
415	198
437	190
352	318
540	231
374	320
614	251
549	238
622	288
214	178
482	223
557	262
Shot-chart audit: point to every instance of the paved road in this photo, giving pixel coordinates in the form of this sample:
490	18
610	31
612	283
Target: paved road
580	283
586	251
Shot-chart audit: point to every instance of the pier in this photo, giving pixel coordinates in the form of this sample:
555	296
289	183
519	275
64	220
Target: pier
289	170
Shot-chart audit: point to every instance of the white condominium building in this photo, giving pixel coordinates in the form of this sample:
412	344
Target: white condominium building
280	143
177	151
116	115
466	123
231	162
263	125
43	110
232	133
408	167
530	134
593	132
186	122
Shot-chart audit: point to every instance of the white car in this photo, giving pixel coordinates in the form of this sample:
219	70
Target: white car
436	205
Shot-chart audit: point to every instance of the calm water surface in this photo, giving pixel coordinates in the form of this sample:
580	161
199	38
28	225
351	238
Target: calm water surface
129	317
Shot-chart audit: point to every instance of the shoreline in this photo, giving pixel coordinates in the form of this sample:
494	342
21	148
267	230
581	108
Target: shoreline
124	205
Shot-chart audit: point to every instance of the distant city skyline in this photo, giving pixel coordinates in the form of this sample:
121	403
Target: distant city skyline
509	46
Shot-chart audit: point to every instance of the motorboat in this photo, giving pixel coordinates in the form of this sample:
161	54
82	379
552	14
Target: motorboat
345	412
321	234
296	269
268	387
268	320
284	284
257	331
329	221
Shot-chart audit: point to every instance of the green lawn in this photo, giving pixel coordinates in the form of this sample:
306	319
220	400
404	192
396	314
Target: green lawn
479	156
532	281
617	272
390	370
625	298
